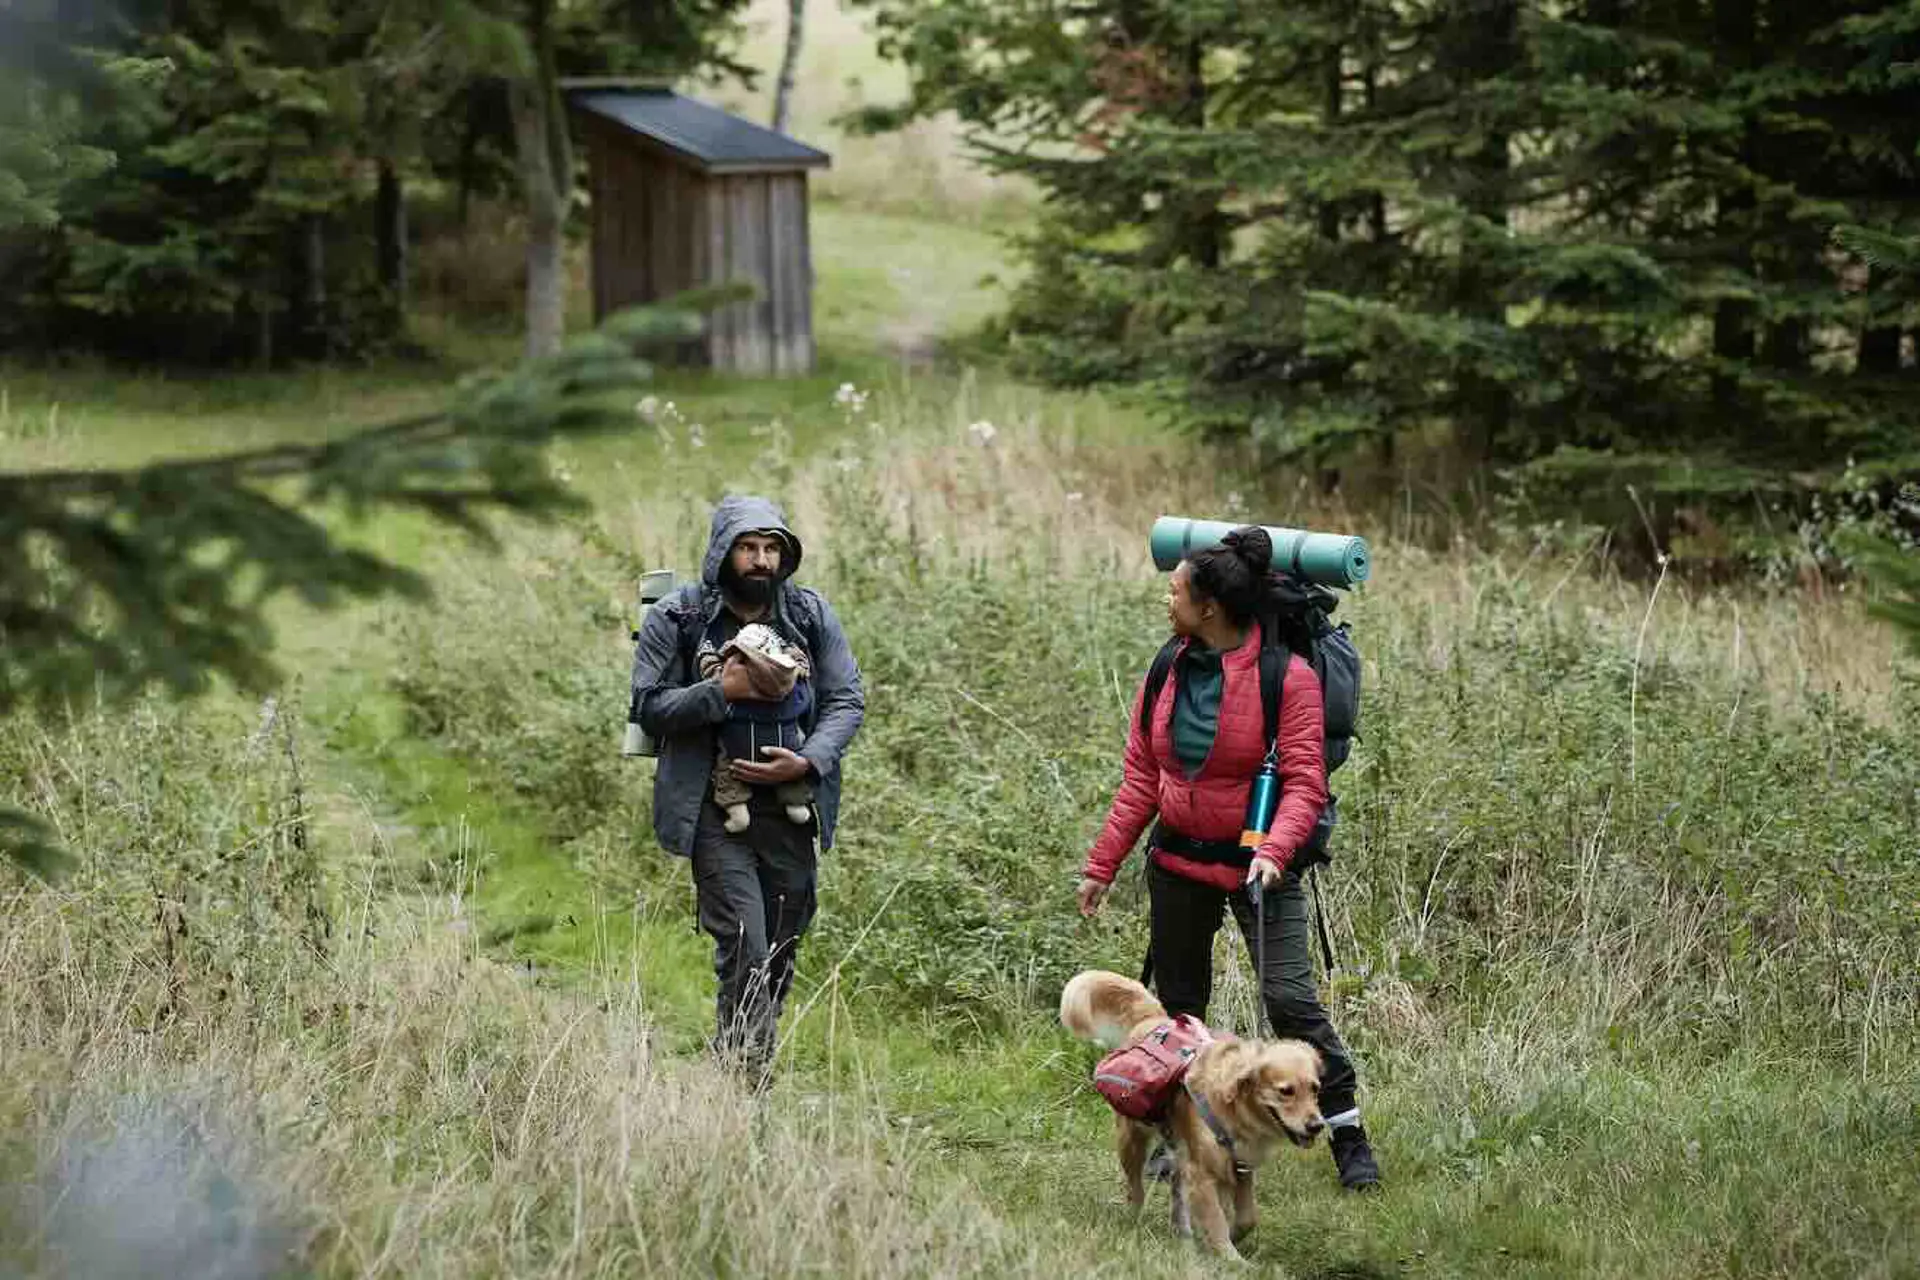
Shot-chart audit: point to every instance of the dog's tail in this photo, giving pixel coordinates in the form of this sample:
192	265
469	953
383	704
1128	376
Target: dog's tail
1104	1008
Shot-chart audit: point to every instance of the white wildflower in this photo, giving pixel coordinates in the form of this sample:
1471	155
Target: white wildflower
1075	496
982	432
648	406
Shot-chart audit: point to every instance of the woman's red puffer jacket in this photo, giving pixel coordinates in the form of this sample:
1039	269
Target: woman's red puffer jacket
1213	804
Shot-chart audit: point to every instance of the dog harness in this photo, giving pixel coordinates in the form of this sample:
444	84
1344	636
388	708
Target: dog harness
1140	1080
1241	1169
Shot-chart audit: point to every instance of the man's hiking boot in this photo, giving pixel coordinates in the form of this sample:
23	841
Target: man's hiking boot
1354	1158
752	1066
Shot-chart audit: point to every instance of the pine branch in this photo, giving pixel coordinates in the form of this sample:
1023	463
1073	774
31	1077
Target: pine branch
1894	571
1880	249
115	581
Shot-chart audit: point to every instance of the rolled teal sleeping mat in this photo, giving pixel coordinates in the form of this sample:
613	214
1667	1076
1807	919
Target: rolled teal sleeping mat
1330	559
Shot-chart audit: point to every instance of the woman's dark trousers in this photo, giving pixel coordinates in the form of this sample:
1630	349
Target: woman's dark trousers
1185	916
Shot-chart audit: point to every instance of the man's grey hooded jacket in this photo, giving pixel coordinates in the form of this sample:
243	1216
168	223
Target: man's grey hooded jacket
683	712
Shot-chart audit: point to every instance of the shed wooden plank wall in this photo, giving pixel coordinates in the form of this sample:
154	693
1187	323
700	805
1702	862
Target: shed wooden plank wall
645	224
792	272
747	260
660	227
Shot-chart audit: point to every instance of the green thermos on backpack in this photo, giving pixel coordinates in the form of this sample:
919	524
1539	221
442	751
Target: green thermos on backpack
1330	559
654	586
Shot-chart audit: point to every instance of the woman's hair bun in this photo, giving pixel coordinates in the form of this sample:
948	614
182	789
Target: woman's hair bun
1252	546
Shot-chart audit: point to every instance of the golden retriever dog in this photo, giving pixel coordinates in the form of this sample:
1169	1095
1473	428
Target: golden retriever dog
1260	1093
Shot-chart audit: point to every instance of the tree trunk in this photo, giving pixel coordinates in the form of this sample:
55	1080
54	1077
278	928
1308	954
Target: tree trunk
390	239
306	328
789	62
1198	232
262	330
1785	347
1377	204
546	236
546	177
469	153
1332	84
1488	48
1732	326
1735	31
1880	350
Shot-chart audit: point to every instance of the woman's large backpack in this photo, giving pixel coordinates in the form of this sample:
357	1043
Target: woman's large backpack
1302	624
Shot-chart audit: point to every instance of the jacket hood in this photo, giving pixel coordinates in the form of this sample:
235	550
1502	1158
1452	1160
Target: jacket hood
738	514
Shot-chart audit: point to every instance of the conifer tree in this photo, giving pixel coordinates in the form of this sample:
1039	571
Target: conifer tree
1588	239
242	195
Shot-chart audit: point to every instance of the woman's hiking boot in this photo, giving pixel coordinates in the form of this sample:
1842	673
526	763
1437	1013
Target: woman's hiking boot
1354	1158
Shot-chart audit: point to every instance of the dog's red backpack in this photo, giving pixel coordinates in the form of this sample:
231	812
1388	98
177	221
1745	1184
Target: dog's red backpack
1138	1081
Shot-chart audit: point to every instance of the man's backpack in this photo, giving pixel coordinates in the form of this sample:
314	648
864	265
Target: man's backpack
1301	624
1140	1080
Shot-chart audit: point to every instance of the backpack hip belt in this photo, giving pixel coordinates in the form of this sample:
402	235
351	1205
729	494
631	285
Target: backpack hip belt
1229	853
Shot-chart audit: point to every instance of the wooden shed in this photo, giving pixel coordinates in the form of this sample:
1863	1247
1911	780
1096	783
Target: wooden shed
685	194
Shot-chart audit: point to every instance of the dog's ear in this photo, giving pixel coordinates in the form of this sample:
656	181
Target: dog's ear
1246	1078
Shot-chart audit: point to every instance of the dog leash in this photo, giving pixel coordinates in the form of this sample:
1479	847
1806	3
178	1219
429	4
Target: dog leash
1257	897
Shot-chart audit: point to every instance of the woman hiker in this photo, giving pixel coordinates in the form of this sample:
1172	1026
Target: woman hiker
1190	762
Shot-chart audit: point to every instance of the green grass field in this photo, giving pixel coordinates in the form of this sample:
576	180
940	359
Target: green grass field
1627	905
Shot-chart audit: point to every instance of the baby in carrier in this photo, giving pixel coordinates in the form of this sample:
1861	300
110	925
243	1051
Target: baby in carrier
779	672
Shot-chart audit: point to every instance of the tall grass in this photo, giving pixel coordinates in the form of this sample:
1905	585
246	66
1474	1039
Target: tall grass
1635	819
213	1082
1623	900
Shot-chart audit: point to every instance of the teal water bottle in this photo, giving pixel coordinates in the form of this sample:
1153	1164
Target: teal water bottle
1262	799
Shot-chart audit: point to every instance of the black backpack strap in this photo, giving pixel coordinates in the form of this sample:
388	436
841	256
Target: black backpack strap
692	621
1320	915
1273	679
802	620
1156	681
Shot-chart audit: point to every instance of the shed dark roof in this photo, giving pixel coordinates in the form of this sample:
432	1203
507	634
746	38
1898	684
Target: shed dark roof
715	140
